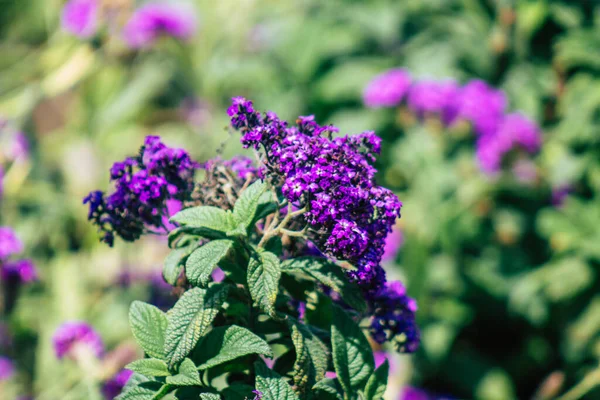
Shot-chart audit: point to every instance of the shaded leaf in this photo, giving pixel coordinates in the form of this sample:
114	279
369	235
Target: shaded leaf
329	274
377	383
352	355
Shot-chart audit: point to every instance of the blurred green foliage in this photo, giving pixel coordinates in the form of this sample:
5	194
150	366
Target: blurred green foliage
506	282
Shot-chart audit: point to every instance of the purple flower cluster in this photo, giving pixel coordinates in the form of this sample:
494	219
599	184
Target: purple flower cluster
14	272
113	387
144	184
394	318
152	20
332	179
483	106
72	334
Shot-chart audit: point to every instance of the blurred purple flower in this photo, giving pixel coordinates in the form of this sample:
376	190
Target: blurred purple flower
71	334
560	194
9	242
19	148
483	105
7	368
412	393
516	130
393	243
387	89
437	97
155	19
80	17
113	387
22	271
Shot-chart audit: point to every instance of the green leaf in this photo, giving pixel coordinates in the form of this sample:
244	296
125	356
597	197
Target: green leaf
209	396
207	221
263	280
149	390
304	371
331	387
329	274
148	325
172	266
377	383
228	343
317	351
187	376
271	384
189	320
203	260
149	367
246	205
352	355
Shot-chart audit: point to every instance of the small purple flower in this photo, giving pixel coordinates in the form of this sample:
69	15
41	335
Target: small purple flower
9	243
22	271
72	334
80	17
7	368
152	20
438	97
113	387
387	89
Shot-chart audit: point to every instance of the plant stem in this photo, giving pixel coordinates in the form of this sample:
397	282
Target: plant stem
275	229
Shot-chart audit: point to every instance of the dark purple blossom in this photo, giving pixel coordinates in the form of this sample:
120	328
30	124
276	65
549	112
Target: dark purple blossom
156	19
80	17
387	89
144	187
113	387
347	216
76	334
9	243
394	318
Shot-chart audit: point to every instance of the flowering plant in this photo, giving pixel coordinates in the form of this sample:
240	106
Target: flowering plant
298	236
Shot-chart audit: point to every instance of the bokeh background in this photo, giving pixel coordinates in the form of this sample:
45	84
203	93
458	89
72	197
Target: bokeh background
504	265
